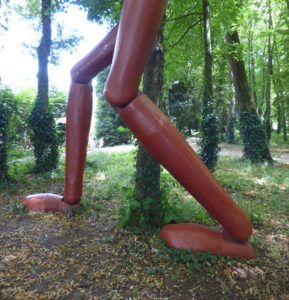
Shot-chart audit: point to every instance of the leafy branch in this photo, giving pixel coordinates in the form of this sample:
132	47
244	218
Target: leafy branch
186	31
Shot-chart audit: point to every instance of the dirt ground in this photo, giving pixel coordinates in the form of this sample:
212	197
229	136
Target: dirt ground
279	153
60	256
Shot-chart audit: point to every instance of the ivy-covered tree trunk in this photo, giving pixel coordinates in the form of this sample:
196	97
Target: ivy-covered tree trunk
267	115
44	136
255	143
147	185
108	121
209	128
3	152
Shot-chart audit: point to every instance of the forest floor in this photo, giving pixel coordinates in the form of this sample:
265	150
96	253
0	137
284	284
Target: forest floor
88	256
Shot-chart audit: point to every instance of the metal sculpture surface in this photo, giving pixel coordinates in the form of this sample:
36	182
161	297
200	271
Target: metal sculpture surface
127	48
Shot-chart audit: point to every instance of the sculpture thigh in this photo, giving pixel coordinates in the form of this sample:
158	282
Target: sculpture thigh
139	23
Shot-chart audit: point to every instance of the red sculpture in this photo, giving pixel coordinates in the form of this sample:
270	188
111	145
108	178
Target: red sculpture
127	47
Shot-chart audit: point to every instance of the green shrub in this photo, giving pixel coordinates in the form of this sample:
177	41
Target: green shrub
45	140
107	120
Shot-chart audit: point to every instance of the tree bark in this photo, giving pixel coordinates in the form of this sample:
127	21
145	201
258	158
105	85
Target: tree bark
43	52
252	70
3	142
147	168
267	114
209	142
278	86
44	137
231	121
252	131
240	81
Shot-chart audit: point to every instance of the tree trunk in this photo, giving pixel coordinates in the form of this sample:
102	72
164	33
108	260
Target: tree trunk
43	52
263	87
209	142
267	114
147	168
3	144
44	137
251	129
279	113
280	95
252	70
231	121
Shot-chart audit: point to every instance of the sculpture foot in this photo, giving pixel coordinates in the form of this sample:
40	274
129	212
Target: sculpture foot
48	203
199	238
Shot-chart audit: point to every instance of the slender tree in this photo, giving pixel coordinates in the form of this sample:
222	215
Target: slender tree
44	136
231	121
210	140
280	98
252	67
267	114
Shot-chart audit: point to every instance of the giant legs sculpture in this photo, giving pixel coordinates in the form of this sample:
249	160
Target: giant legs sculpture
127	47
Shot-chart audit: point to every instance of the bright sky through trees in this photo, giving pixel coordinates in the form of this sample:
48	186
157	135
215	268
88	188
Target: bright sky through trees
19	68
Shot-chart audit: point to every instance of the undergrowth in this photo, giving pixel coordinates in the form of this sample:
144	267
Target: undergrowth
260	190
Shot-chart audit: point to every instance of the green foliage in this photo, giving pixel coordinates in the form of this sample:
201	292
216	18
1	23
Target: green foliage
57	106
17	208
193	260
277	139
19	127
7	107
181	107
260	190
61	39
107	120
112	174
44	140
3	145
174	206
254	138
101	11
136	214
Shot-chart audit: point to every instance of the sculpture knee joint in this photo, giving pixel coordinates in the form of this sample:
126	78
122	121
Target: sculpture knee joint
118	96
77	75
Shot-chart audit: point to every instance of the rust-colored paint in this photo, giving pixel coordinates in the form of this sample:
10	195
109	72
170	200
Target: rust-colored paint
199	238
79	111
161	138
128	47
138	27
48	203
96	60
